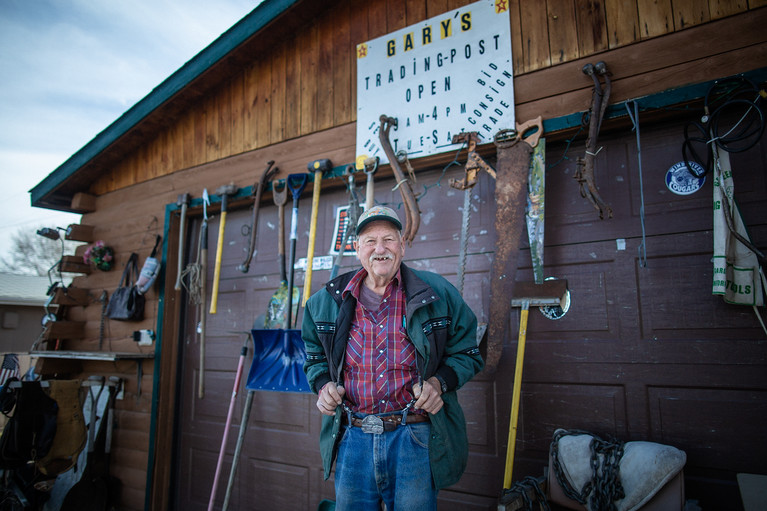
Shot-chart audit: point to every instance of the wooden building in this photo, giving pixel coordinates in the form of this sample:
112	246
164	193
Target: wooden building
645	351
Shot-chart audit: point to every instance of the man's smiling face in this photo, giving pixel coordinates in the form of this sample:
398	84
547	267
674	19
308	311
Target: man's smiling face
380	250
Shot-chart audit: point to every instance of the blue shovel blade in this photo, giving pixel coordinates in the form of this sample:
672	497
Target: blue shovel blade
278	361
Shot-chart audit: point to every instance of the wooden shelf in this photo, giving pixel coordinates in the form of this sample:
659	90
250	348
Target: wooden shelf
74	264
83	203
78	232
64	330
71	296
108	356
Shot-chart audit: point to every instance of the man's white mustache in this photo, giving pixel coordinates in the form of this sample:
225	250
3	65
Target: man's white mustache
380	257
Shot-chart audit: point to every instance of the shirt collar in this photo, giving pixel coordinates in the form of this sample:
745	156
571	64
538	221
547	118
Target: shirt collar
358	280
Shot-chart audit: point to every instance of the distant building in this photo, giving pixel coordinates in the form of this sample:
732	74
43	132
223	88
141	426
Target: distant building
22	301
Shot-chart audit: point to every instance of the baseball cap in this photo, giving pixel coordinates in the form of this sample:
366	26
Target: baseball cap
378	213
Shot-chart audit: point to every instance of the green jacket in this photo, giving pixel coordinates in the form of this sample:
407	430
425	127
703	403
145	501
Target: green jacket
443	330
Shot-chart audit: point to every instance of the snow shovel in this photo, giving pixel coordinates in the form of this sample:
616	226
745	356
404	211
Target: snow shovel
278	364
296	184
237	379
278	361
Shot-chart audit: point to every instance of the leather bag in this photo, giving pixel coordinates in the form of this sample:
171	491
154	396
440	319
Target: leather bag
127	303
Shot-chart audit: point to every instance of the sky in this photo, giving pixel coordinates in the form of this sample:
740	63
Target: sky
72	67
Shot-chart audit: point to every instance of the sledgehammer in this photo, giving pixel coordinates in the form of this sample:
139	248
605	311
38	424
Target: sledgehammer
525	294
224	191
319	167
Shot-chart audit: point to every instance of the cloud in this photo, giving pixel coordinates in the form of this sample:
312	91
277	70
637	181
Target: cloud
72	67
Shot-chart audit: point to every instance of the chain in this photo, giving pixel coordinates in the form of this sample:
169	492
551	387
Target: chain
605	486
522	487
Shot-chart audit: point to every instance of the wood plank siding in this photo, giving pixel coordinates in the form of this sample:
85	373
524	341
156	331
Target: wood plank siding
307	80
288	94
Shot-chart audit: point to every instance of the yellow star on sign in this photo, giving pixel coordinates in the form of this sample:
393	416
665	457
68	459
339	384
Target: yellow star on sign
501	6
362	50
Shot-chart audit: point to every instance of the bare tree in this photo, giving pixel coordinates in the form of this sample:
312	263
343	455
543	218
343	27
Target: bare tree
31	254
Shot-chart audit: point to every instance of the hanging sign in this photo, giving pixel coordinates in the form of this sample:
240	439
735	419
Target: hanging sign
448	74
680	181
342	223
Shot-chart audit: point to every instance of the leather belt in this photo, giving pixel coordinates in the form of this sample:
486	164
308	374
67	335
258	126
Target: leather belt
379	424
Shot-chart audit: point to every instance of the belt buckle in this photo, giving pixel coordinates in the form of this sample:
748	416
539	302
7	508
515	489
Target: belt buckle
373	425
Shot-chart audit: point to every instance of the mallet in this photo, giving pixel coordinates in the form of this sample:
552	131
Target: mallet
318	167
224	191
550	292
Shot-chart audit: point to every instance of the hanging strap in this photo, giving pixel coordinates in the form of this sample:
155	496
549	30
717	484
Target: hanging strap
156	244
130	273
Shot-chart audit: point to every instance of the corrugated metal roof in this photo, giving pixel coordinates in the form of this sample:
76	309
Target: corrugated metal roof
23	289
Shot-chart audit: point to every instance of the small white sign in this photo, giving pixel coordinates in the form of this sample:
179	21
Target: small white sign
448	74
318	263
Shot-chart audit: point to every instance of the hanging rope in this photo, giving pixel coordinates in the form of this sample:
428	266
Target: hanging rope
642	249
193	271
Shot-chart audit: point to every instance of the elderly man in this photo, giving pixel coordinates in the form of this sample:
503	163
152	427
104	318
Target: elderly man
386	349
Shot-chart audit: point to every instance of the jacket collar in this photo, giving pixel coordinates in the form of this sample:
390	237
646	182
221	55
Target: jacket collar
417	292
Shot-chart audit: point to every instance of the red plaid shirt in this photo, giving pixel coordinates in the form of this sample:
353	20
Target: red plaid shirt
380	368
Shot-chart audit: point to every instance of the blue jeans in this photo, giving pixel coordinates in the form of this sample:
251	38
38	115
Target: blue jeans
392	467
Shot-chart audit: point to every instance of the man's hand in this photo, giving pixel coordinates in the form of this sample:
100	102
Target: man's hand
429	395
331	396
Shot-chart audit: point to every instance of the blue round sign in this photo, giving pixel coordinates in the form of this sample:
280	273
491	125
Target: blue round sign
680	181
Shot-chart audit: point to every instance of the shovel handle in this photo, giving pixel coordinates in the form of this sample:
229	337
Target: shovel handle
296	184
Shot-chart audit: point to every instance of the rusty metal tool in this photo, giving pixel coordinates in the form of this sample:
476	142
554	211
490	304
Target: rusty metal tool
514	148
584	168
318	167
474	164
183	201
412	213
527	294
224	191
371	165
280	197
258	189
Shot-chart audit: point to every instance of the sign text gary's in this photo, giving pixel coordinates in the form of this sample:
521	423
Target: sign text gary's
448	74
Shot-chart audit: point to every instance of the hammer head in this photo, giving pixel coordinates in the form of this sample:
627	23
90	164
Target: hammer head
322	165
229	189
549	292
